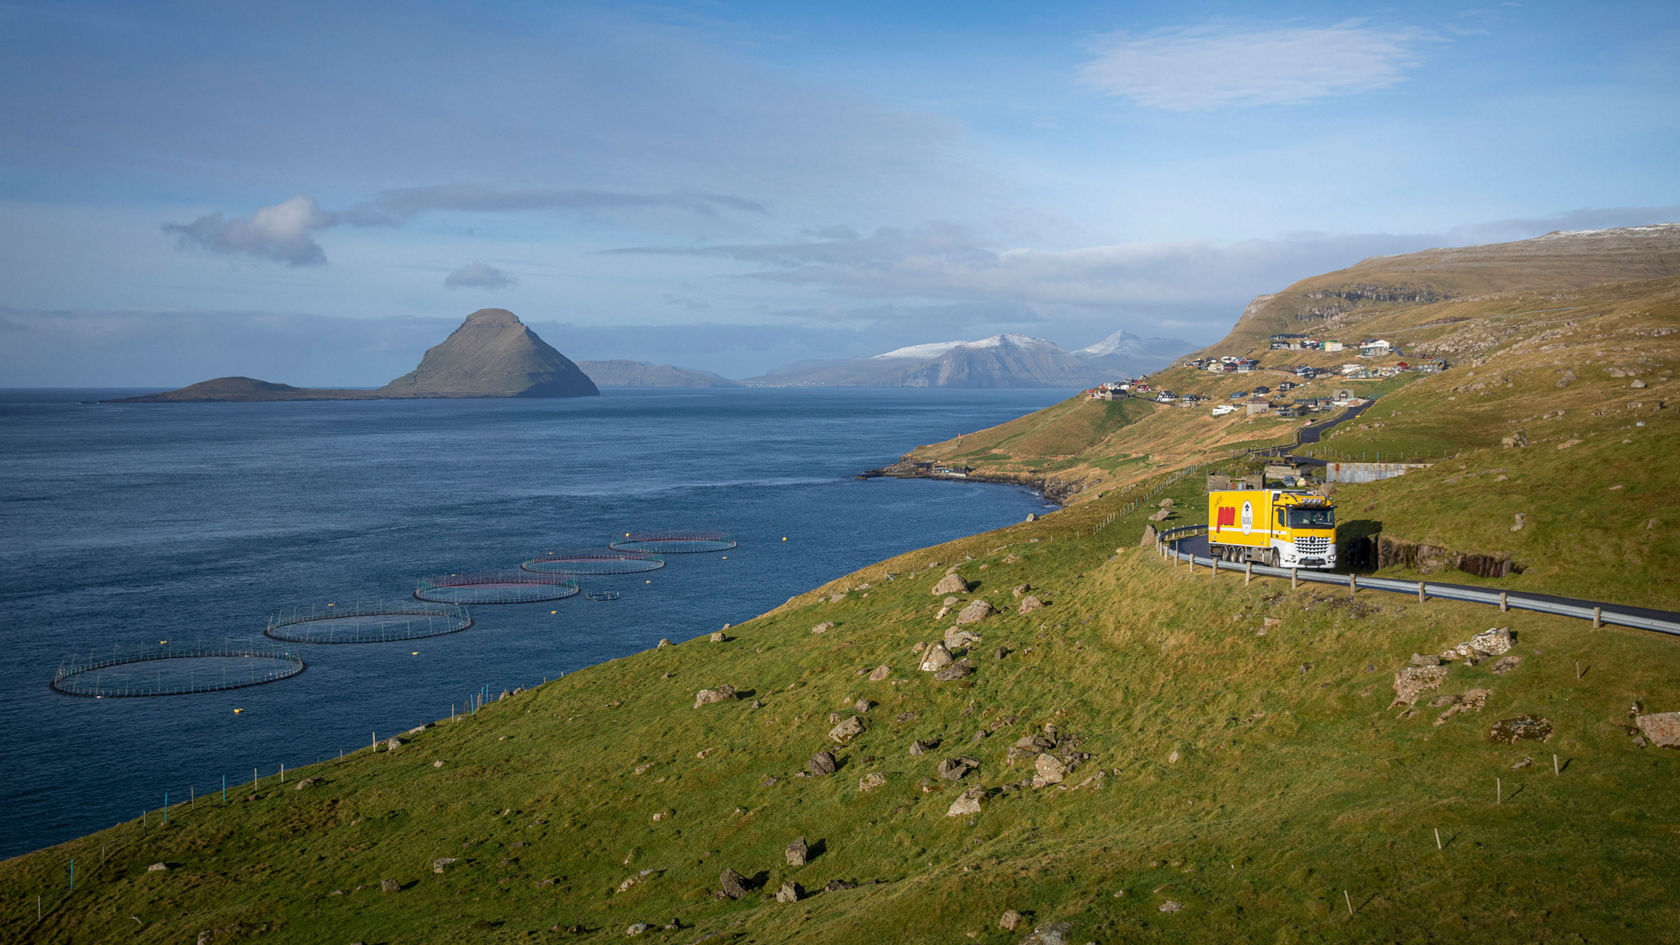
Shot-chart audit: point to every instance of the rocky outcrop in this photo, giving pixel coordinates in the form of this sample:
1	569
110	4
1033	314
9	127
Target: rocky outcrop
952	583
722	693
1381	551
1662	728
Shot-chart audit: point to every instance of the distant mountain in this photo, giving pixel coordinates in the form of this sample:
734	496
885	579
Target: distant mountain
1007	360
492	354
620	373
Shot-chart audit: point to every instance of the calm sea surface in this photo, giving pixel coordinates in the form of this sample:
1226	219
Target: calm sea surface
128	525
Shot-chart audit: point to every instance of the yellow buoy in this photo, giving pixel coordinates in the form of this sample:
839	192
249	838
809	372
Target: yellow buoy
784	538
414	653
237	711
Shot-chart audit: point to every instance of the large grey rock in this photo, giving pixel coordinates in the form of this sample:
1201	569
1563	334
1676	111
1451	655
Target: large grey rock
1412	681
733	884
822	763
957	638
976	611
880	672
722	693
441	863
922	746
952	583
967	804
1050	933
847	730
957	670
1662	728
1048	769
797	852
871	781
1029	745
638	928
790	892
389	885
1150	537
1030	604
953	769
935	658
395	742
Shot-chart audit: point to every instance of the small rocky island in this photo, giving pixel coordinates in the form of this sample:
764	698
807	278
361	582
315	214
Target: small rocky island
492	354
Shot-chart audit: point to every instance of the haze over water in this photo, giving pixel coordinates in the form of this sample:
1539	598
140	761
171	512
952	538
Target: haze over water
129	525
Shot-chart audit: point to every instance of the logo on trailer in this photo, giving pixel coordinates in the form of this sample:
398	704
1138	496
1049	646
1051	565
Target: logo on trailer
1248	517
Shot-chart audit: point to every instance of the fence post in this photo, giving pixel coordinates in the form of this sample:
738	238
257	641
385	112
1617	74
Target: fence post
1420	592
1503	606
1353	584
1598	615
1248	572
1294	581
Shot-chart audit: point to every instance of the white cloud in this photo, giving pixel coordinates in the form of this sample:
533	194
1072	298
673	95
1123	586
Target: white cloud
478	276
1204	67
281	232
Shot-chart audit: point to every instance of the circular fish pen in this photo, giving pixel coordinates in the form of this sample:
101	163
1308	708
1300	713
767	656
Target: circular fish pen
673	543
170	670
367	622
594	561
494	587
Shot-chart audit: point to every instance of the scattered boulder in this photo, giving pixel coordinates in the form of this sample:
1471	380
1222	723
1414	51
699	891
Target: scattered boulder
1052	933
1161	516
823	627
307	783
953	769
822	763
798	852
157	867
630	882
389	885
837	885
1012	558
1171	905
1412	681
1029	745
1020	589
719	637
1011	921
880	672
1167	503
1032	516
1150	537
1506	664
871	781
847	730
976	611
862	705
663	643
935	658
1493	641
733	884
957	670
1047	770
957	638
1521	522
1515	440
395	742
922	746
638	929
952	583
1661	728
1523	727
439	864
1030	604
722	693
1471	701
790	892
1424	659
968	804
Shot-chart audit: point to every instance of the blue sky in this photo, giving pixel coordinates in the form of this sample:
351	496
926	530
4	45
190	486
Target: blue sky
315	193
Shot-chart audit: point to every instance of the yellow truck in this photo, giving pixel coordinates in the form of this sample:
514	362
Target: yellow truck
1270	526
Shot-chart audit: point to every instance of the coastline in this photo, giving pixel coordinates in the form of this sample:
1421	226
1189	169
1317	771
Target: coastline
1050	489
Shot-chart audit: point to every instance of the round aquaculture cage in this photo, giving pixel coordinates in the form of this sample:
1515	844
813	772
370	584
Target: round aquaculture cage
171	670
673	543
494	587
383	621
594	561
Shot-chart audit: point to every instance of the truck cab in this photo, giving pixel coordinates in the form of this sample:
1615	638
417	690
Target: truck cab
1289	529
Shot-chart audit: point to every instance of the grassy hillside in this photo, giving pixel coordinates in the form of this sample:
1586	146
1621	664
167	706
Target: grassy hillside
1233	750
1233	764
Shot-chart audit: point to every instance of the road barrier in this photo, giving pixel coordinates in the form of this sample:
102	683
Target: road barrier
1599	613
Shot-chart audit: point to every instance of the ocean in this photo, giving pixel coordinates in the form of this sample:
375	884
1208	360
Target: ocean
122	526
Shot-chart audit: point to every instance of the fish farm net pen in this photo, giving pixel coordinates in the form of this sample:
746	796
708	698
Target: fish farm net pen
170	669
593	561
382	621
495	587
673	543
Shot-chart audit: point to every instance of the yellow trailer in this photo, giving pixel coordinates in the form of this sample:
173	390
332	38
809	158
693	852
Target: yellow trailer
1271	526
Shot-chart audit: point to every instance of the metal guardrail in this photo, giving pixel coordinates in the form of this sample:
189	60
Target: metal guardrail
1599	614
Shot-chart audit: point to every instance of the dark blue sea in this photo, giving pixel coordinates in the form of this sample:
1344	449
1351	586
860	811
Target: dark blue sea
125	525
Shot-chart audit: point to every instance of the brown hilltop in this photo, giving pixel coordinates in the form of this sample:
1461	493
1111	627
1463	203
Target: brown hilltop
492	354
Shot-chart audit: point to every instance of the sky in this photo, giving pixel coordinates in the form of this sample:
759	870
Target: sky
316	193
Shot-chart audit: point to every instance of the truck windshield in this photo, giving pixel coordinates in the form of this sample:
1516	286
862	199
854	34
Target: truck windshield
1312	518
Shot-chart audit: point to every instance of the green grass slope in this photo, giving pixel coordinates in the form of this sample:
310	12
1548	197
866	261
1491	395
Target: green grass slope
1233	749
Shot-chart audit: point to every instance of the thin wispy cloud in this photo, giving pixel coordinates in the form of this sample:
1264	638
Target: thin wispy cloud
1203	67
478	276
285	232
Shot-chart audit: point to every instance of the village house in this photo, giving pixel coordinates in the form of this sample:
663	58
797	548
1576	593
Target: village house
1332	346
1258	406
1376	348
